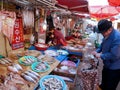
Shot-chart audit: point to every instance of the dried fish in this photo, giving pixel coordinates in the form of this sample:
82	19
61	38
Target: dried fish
28	18
9	60
12	69
46	58
52	84
6	61
18	67
11	81
34	73
28	60
41	66
31	75
31	59
2	62
28	78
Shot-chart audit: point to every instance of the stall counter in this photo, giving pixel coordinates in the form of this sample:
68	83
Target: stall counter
30	86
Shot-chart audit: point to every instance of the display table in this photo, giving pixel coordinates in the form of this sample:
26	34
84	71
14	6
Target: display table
29	86
54	48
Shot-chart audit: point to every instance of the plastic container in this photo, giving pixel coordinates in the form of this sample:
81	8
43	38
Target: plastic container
22	59
62	52
68	63
33	66
64	86
41	46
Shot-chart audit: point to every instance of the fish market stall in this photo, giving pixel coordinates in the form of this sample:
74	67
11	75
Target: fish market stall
22	73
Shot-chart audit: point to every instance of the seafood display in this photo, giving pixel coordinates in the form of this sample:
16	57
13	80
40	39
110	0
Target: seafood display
11	82
40	67
66	70
30	76
16	54
52	82
5	61
51	53
62	52
15	68
12	69
32	53
46	58
68	63
19	77
41	46
36	74
76	46
27	60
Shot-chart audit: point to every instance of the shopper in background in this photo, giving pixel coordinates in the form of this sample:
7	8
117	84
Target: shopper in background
109	52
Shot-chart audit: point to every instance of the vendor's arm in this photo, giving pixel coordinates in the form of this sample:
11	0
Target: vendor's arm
63	42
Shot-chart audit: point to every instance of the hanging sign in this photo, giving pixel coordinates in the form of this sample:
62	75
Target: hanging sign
18	40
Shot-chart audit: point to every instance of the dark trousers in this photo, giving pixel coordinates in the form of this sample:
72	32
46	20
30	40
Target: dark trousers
110	79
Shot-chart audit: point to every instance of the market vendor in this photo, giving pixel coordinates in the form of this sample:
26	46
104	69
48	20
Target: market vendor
109	52
59	38
50	37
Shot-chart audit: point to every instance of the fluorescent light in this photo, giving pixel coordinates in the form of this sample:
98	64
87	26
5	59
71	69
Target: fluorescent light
97	2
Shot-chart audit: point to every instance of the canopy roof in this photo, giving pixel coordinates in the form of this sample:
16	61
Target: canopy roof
114	2
74	5
104	11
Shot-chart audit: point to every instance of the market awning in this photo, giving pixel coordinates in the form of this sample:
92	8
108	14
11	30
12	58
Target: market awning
114	2
74	5
103	11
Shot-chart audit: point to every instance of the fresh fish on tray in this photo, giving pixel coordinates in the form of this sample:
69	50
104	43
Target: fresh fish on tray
28	78
27	60
5	61
31	75
34	73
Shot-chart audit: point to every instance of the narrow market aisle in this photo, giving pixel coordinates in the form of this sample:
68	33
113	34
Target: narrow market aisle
78	82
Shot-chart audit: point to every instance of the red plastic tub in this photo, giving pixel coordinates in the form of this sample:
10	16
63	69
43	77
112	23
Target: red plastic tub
41	46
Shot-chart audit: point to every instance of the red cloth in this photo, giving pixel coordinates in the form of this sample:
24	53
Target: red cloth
69	37
59	38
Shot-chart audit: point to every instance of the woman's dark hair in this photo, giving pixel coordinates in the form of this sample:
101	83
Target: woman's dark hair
52	29
58	29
